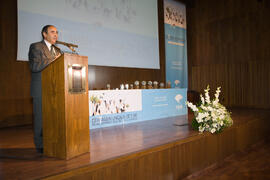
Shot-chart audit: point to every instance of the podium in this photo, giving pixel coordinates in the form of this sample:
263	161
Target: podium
65	107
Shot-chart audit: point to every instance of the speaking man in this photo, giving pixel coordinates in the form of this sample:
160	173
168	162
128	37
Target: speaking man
41	54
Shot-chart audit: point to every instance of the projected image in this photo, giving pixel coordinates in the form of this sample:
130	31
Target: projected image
122	33
121	10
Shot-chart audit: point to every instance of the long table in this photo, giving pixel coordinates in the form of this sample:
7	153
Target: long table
116	107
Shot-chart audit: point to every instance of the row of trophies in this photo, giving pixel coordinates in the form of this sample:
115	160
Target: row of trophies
149	85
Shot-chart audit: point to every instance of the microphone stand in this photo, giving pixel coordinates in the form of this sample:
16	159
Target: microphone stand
72	49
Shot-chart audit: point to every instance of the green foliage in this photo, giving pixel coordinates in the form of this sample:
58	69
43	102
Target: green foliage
194	124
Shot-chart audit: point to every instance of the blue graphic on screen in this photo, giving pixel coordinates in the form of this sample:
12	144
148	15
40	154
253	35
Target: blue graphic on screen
122	33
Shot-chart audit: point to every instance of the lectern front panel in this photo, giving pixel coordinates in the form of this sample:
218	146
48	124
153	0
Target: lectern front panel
76	78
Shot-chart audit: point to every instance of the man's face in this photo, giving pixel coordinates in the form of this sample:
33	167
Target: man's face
52	35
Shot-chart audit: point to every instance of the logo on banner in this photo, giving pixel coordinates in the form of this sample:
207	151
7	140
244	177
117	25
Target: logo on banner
178	99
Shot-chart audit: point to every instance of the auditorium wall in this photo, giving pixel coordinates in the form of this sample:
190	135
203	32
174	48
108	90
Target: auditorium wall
228	46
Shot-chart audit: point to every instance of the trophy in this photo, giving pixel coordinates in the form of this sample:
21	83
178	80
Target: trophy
137	85
143	85
177	83
131	86
108	86
149	83
126	86
168	84
161	85
155	83
122	87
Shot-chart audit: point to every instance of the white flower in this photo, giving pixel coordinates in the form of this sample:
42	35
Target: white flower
217	92
193	107
204	107
213	130
221	116
199	119
215	102
207	118
214	116
209	108
201	116
207	97
201	129
220	123
202	99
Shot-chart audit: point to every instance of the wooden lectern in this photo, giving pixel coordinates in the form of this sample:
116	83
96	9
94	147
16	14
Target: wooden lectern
65	107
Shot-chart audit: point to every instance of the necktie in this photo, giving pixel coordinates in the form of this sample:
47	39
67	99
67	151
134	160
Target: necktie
52	51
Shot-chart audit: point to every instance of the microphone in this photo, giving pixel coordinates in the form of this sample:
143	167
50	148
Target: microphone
69	45
66	44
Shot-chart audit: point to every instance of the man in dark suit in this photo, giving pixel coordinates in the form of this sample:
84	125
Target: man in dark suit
41	54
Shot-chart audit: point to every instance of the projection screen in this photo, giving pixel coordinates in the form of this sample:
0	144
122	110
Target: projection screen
121	33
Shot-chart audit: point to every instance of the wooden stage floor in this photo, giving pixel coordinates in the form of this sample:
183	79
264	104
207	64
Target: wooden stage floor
19	160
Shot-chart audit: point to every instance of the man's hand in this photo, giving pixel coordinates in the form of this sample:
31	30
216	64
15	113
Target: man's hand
57	56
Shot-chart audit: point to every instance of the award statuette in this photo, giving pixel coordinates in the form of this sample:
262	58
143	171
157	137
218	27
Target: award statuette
143	85
168	84
155	83
149	83
131	86
126	86
137	84
108	86
161	85
122	87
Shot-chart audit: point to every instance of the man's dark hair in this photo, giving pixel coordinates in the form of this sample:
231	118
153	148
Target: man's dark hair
45	29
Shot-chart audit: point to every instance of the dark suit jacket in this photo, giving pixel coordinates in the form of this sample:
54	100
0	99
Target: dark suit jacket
39	58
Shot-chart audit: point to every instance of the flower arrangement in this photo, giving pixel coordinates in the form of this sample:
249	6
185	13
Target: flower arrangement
210	115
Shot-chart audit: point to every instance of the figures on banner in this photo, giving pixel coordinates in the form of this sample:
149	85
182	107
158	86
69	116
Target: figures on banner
174	16
104	105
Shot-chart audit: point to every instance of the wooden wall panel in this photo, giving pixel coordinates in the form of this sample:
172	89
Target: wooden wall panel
243	85
229	47
99	76
15	101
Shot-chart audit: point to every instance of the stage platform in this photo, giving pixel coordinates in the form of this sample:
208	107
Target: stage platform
156	149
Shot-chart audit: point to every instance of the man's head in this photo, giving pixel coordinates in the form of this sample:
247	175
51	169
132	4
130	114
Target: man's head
50	34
